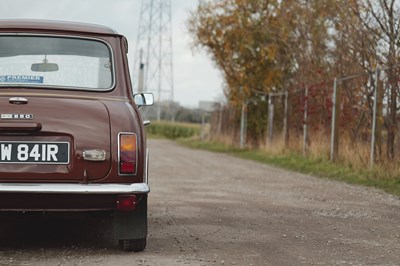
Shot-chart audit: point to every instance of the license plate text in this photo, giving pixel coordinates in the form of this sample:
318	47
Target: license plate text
14	152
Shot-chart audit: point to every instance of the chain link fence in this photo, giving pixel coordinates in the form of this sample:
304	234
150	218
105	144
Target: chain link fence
348	118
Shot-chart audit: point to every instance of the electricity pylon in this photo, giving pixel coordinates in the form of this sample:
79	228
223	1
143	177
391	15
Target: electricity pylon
153	65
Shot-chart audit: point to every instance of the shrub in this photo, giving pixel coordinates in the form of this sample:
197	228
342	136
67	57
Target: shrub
173	130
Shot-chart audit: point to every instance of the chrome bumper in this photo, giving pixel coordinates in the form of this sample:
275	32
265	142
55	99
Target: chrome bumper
65	188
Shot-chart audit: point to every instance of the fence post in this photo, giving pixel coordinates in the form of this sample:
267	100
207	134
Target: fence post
203	122
270	119
243	126
220	118
285	120
333	127
373	137
305	142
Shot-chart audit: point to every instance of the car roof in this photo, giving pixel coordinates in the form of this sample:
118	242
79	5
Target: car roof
21	25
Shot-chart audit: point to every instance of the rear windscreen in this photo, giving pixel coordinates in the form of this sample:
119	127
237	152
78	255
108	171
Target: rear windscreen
56	62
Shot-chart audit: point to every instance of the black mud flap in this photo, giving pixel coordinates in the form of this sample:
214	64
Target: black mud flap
130	225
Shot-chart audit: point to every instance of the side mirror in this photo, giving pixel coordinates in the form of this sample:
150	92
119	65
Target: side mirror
143	99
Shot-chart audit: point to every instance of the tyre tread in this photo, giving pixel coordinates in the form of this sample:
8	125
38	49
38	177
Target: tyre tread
135	245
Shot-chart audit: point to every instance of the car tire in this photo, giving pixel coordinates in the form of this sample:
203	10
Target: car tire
136	245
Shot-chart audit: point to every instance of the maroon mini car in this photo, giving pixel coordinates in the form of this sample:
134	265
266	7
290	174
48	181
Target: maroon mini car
71	135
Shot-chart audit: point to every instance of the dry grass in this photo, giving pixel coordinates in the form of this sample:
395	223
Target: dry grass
226	140
277	146
355	156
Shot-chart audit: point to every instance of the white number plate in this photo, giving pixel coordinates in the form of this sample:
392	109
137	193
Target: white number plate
34	152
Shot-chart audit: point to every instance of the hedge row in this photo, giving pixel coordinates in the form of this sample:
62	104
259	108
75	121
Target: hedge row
173	130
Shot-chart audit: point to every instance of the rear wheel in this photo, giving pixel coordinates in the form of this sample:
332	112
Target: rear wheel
132	244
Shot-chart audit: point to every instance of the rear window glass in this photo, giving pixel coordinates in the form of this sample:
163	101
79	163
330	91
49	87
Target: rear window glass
56	62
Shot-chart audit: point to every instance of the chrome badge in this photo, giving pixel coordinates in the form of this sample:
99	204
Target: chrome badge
16	116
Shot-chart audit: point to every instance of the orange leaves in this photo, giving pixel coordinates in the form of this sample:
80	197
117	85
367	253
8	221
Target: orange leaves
238	35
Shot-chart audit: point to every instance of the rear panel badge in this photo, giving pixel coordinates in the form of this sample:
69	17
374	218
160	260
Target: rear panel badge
16	116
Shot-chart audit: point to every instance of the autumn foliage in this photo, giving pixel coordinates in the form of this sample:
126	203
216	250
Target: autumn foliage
272	46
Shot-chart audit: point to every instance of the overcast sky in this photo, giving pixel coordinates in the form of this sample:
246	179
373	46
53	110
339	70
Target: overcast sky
195	76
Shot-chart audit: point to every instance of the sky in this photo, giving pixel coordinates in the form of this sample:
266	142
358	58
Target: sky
195	76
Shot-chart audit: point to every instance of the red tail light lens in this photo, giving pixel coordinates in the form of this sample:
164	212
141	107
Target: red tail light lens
126	202
127	153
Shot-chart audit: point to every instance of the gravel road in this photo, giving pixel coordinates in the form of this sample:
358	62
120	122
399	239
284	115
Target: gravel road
213	209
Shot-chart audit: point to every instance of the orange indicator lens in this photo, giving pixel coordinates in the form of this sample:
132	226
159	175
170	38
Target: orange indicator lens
127	154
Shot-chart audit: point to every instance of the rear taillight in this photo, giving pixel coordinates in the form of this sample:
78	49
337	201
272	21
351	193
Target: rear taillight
127	153
126	202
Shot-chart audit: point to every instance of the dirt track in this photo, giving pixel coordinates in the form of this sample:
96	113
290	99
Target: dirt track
213	209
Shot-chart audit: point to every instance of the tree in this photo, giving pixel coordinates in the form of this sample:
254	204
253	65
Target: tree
233	32
237	35
381	19
264	46
354	55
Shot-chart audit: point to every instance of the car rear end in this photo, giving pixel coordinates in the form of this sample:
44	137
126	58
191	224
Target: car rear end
71	138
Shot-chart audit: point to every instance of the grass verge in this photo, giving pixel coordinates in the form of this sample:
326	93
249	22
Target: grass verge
313	166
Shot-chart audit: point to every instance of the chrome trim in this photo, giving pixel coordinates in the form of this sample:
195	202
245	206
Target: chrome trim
59	95
146	167
95	155
70	37
119	154
18	100
65	188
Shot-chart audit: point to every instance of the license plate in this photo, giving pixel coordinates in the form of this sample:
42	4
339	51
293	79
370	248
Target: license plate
34	152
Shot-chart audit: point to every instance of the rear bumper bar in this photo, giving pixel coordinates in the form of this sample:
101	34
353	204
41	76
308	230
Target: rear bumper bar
65	188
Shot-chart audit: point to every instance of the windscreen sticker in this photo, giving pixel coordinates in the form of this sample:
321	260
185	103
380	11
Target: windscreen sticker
22	79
